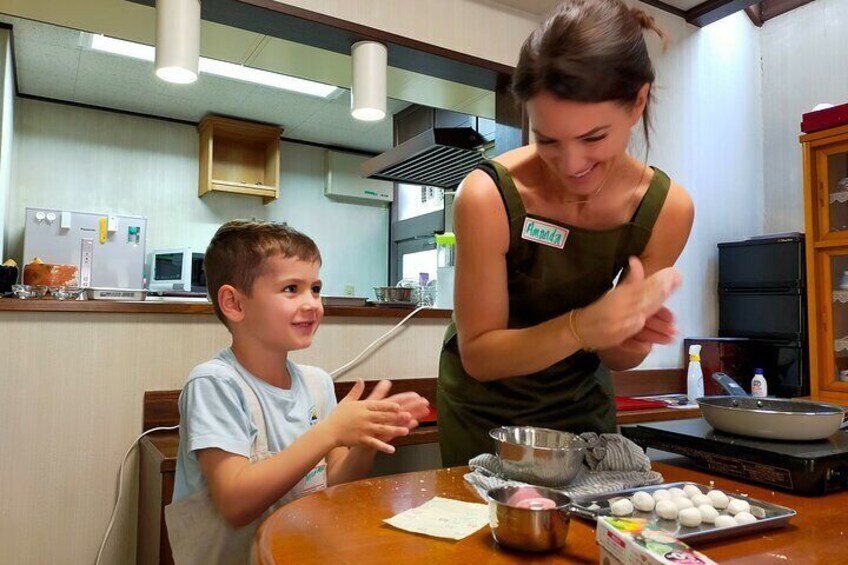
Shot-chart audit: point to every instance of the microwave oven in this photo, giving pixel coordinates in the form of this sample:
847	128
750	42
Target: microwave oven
178	270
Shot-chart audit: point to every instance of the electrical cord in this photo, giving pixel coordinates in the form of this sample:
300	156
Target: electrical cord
120	484
379	341
338	372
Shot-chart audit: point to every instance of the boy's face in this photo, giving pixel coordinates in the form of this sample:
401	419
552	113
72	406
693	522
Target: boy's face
284	309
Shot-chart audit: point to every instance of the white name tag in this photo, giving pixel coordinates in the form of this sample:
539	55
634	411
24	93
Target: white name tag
544	233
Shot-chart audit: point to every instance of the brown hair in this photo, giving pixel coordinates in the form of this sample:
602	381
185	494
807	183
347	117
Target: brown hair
237	253
588	51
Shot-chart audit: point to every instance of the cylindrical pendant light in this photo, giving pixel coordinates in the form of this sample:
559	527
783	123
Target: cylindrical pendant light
368	91
177	40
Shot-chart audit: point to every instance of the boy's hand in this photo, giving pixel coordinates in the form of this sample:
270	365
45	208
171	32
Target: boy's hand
370	423
416	405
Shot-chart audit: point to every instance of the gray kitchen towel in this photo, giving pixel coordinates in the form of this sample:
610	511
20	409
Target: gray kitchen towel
614	452
612	463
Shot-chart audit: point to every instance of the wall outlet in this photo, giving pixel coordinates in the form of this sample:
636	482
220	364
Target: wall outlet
349	290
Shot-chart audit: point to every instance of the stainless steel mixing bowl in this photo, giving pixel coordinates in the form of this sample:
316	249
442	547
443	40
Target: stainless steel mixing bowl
529	529
539	456
393	294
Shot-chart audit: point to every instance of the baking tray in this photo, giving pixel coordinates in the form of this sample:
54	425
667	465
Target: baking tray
393	303
124	294
768	515
344	300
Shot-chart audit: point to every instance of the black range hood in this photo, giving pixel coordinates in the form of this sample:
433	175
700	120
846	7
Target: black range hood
439	157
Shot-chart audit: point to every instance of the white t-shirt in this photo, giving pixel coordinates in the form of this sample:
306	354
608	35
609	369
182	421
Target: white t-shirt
215	413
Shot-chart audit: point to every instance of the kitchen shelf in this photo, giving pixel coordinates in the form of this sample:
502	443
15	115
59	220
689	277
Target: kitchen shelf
239	157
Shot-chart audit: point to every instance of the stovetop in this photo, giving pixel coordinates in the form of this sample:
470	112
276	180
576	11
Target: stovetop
812	467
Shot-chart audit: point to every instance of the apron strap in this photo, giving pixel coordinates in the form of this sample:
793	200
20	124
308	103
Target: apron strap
311	377
651	205
512	200
260	442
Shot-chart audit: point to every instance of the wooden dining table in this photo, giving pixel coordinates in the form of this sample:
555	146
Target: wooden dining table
344	524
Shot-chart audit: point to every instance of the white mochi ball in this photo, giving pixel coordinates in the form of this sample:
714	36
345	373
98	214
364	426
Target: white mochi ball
666	510
622	507
738	505
689	517
682	503
725	521
676	492
708	513
643	501
701	499
691	491
745	518
719	499
661	494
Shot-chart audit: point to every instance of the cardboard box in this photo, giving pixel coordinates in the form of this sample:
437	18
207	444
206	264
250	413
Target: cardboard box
633	541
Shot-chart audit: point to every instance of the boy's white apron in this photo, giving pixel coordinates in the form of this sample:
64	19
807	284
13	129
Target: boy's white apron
199	535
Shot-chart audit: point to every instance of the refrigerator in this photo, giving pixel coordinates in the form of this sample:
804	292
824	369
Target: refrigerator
109	249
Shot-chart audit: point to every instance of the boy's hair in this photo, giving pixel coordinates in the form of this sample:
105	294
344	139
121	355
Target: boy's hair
237	253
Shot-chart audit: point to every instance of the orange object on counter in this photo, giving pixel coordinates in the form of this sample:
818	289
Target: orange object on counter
45	274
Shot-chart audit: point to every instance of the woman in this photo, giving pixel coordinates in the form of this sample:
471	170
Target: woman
543	232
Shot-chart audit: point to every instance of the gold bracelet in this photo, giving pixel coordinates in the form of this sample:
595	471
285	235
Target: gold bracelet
572	326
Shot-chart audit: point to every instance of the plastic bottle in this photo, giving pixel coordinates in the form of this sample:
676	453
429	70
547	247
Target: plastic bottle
445	259
695	376
759	386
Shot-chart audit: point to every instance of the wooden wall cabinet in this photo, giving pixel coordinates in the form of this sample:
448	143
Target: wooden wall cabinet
239	157
825	155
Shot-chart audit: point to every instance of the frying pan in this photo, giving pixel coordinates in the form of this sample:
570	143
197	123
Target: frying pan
769	418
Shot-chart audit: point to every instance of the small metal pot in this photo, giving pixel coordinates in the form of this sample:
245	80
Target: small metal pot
531	528
538	456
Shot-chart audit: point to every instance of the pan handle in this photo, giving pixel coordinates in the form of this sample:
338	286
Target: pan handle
729	385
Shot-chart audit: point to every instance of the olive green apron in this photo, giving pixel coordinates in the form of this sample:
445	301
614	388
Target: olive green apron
544	281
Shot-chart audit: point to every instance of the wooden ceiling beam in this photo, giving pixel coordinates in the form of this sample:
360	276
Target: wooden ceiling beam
755	14
772	8
713	10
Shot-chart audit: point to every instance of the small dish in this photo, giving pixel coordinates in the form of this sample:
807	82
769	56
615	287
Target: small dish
66	292
29	291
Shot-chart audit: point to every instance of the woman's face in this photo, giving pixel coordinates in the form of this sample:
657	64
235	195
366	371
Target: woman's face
581	141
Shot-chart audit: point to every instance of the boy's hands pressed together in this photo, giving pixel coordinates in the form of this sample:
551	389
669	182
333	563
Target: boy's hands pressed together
411	402
369	423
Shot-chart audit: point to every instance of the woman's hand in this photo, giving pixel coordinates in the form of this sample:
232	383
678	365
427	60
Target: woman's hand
632	314
370	423
659	329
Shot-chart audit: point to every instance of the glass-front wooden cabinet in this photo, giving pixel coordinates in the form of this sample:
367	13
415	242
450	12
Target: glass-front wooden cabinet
826	217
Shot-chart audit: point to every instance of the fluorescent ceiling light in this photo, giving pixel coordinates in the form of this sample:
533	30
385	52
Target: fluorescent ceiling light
219	68
258	76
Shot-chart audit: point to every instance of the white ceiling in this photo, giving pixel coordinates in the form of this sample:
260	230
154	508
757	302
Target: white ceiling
54	62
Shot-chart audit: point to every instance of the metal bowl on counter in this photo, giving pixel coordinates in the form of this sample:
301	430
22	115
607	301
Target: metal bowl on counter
538	456
529	518
393	294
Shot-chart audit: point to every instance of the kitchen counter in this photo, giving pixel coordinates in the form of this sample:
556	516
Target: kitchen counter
194	307
343	524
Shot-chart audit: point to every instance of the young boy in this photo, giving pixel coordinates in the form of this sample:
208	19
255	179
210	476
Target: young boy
256	429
